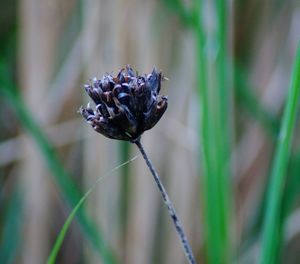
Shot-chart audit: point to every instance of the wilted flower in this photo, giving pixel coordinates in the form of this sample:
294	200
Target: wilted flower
126	105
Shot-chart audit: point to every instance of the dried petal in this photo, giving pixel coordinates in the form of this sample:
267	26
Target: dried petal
126	105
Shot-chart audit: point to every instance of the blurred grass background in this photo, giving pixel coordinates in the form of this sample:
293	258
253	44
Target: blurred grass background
229	162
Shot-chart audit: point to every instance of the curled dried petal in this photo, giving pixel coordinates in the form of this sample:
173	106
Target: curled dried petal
126	105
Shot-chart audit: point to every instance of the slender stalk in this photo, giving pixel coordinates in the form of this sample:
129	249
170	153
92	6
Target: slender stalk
271	227
186	246
214	90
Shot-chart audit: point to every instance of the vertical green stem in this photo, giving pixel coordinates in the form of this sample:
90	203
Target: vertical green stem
271	236
124	198
215	93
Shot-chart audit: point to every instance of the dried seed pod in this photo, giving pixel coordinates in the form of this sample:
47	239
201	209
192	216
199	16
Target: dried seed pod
126	105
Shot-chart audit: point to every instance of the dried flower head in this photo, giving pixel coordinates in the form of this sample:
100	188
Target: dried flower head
126	105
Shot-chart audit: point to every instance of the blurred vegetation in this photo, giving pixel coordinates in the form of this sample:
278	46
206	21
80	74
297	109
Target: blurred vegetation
227	149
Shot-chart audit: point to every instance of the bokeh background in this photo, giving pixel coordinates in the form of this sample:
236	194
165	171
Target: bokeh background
229	65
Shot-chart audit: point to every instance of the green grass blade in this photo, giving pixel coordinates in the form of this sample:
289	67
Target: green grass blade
246	99
290	198
214	94
125	191
291	192
277	181
63	232
12	229
177	7
61	176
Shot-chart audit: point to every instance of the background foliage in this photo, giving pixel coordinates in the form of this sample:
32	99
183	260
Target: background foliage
227	148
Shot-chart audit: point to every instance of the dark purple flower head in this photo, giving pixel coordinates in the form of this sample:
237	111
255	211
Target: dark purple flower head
126	105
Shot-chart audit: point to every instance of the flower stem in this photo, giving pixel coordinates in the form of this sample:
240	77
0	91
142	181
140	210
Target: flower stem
171	209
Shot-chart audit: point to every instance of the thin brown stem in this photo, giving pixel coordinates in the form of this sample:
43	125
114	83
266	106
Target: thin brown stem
186	246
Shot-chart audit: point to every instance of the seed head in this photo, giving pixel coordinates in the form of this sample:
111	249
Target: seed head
126	105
